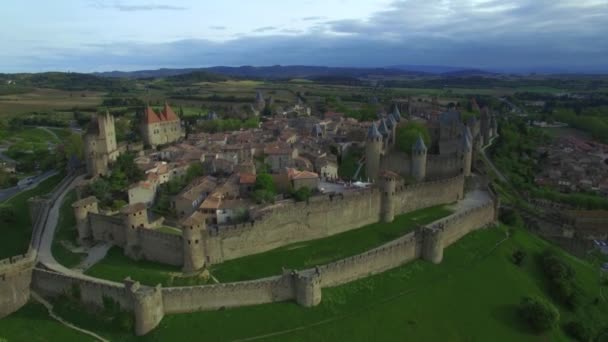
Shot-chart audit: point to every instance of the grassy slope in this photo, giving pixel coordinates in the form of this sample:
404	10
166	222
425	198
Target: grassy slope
16	235
471	296
116	266
318	252
66	231
32	323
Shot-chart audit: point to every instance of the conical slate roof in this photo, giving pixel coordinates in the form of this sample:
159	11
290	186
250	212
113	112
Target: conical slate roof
467	132
466	142
373	133
258	96
396	113
390	121
316	130
383	128
419	145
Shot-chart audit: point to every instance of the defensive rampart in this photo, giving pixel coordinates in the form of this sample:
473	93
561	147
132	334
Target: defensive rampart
15	279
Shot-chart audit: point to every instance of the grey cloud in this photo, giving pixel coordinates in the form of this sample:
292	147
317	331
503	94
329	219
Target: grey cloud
313	18
219	28
499	35
265	29
120	6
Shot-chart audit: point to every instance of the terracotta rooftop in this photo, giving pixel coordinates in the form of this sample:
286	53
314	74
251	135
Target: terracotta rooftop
247	178
194	219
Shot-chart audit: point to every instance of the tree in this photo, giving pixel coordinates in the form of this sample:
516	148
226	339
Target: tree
407	136
302	194
578	331
7	213
265	182
538	314
194	170
73	146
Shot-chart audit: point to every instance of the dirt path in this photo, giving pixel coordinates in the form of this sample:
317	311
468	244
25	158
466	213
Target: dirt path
49	308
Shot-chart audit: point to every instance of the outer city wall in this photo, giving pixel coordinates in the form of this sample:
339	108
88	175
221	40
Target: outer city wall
15	279
305	286
145	302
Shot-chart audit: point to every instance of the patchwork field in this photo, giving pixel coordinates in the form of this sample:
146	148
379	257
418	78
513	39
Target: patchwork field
47	99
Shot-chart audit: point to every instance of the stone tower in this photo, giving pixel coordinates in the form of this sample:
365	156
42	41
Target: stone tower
307	288
82	208
419	159
147	306
391	124
373	150
100	146
387	199
260	102
432	244
192	237
467	152
135	216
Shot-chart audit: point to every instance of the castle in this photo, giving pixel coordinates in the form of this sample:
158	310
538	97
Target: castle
439	179
100	146
160	128
452	139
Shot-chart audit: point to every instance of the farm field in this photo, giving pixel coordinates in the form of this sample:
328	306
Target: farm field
42	99
472	295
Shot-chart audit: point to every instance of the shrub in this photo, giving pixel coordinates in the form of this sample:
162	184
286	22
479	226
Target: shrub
538	314
578	331
518	257
302	194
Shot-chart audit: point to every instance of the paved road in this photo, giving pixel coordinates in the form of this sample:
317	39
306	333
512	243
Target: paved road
45	256
10	192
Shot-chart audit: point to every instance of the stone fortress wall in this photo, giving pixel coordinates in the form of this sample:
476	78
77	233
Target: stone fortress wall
305	286
15	279
437	166
16	271
284	224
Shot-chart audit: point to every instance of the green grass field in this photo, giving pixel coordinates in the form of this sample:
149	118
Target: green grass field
16	232
33	323
322	251
471	296
66	232
116	266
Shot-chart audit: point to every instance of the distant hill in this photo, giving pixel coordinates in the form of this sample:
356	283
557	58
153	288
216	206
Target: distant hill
268	72
70	81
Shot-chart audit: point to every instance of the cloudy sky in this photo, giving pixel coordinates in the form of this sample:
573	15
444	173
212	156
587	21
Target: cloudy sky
103	35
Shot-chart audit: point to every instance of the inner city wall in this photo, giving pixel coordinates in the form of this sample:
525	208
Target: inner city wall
324	216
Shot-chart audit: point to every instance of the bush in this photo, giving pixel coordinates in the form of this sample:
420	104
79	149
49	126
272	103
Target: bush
538	314
7	213
577	331
302	194
518	257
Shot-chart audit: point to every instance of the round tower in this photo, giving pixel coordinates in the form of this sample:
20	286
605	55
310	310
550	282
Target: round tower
467	152
373	150
387	199
485	127
419	159
432	245
192	238
135	217
82	208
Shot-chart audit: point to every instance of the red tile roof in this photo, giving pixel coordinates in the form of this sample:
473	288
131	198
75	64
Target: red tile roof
169	114
150	116
247	178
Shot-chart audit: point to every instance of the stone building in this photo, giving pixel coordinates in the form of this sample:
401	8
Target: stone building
100	146
160	128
